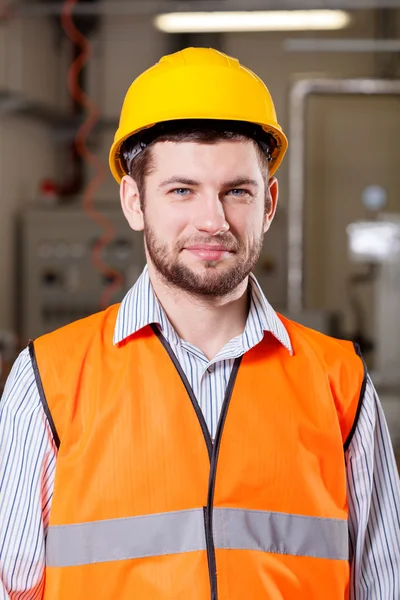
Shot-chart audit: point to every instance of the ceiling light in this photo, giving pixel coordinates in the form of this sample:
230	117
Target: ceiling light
279	20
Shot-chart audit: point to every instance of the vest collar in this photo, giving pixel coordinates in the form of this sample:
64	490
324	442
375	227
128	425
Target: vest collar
140	308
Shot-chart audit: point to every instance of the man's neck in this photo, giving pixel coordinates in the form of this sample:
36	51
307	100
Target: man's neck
207	323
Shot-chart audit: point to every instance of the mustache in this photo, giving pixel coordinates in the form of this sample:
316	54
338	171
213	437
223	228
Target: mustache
227	240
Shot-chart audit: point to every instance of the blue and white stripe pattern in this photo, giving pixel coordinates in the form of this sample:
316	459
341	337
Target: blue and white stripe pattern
28	456
374	506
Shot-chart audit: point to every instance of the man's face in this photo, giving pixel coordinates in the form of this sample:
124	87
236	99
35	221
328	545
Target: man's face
204	214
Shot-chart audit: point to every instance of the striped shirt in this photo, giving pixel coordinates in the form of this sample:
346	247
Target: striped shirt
28	455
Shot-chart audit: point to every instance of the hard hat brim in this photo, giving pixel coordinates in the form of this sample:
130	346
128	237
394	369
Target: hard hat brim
117	162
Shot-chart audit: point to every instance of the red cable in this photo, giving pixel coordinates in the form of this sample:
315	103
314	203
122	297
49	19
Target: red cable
93	115
7	12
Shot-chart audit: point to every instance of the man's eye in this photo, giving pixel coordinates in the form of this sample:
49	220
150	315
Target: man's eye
239	192
181	191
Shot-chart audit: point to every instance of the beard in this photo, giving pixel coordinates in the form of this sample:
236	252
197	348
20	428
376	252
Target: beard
214	281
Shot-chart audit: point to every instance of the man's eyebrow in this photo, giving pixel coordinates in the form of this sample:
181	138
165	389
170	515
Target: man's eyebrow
180	180
240	181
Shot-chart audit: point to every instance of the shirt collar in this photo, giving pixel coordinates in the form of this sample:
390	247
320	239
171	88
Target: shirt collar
140	307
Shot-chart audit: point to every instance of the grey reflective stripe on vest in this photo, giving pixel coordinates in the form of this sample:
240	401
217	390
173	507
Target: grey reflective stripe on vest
121	539
281	533
183	531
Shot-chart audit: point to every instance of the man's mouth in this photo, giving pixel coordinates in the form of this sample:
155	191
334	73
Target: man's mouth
208	251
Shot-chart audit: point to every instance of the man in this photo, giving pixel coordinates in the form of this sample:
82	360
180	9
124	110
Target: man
191	443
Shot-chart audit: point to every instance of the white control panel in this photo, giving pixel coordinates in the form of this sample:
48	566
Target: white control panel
62	276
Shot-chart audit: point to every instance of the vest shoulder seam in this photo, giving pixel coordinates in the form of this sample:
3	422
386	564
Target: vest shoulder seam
360	400
42	394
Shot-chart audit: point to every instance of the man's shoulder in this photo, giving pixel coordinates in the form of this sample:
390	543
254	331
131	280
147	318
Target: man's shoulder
82	327
302	334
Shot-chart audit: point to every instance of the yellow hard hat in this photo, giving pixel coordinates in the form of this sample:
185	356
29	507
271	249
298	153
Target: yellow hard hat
196	83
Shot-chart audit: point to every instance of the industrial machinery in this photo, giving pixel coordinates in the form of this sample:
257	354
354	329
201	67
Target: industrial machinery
58	281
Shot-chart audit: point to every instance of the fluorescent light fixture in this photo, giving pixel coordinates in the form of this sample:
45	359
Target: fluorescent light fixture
270	20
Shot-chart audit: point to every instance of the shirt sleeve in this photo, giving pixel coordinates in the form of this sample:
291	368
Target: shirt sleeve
27	468
374	505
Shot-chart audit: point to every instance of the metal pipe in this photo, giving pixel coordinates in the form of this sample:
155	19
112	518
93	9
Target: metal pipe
153	7
297	138
386	29
340	45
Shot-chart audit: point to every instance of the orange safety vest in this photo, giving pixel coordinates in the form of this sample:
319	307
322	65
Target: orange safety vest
147	506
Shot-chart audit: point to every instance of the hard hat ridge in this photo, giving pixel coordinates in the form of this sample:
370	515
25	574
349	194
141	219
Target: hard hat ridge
196	84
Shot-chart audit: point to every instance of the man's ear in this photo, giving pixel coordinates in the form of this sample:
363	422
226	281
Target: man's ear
273	192
130	202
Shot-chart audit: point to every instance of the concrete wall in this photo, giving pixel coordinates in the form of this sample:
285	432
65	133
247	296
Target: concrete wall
28	66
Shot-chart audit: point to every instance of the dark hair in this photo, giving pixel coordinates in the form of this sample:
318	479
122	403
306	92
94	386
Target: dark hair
136	150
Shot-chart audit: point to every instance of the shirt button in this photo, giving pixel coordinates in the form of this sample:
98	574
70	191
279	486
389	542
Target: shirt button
210	369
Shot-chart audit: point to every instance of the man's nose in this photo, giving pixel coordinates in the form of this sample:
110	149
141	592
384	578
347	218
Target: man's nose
210	217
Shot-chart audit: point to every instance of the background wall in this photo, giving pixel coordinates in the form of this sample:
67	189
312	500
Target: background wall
33	62
357	145
30	67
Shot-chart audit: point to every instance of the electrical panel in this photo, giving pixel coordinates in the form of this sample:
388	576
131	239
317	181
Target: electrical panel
59	281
